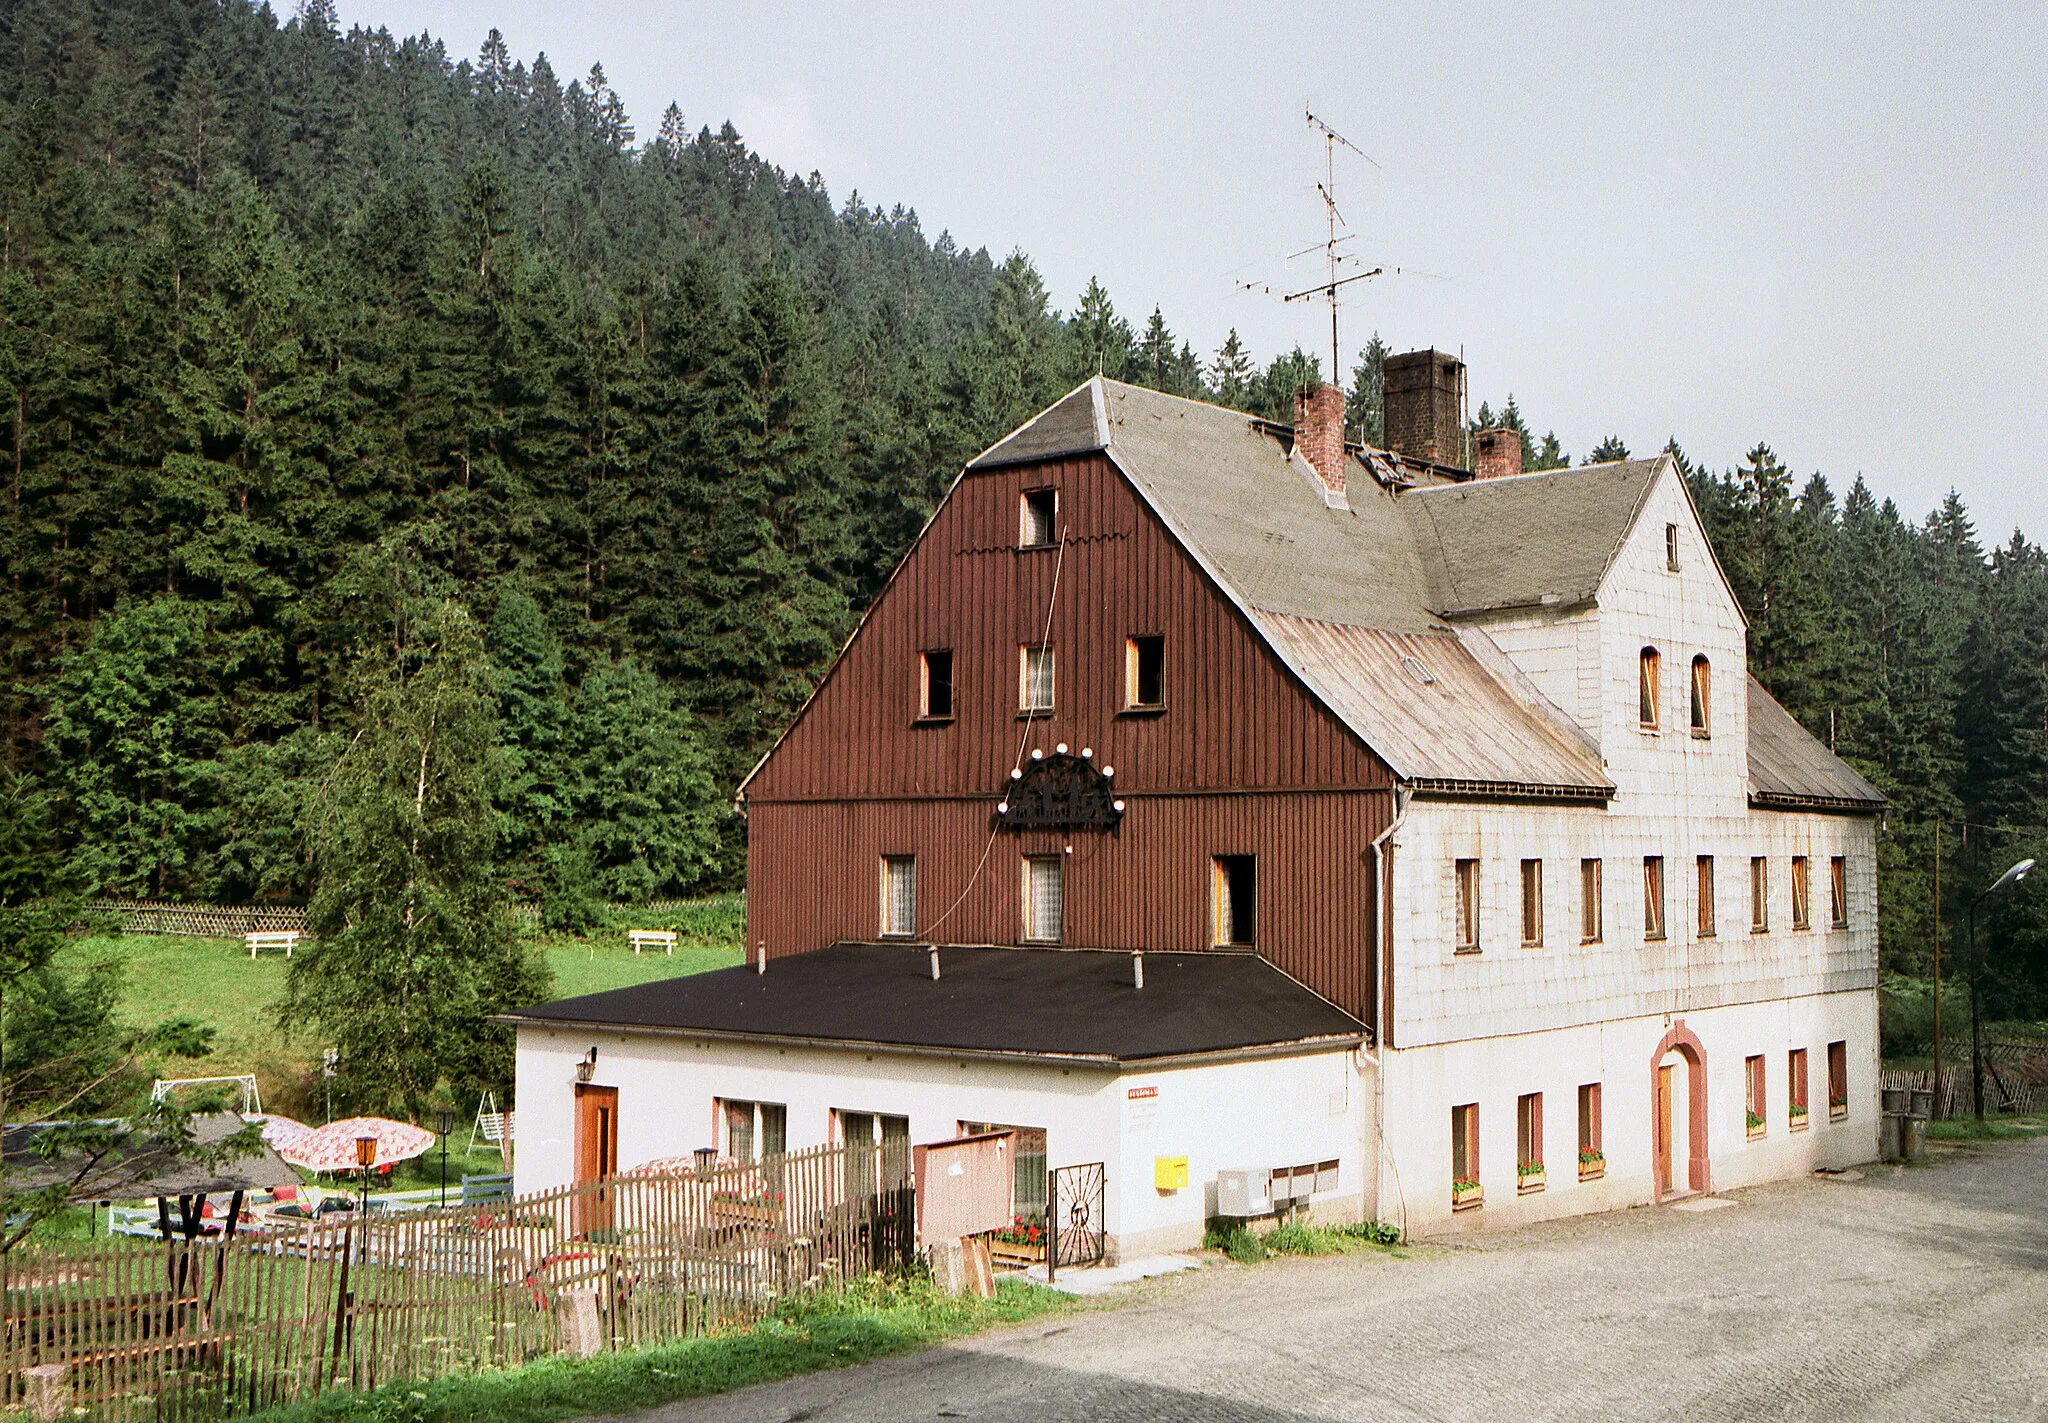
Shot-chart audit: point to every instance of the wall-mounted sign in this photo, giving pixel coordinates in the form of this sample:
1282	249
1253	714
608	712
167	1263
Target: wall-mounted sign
1139	1094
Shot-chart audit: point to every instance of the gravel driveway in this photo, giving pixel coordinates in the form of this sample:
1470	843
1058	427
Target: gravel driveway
1919	1294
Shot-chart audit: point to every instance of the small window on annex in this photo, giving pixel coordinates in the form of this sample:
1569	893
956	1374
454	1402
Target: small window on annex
753	1130
1466	874
1589	902
1035	667
1671	547
1754	1103
1234	899
1045	906
1592	1158
899	896
1706	896
1759	894
935	684
1801	904
1838	892
1648	679
1653	896
1702	698
1038	518
1532	903
877	1151
1144	671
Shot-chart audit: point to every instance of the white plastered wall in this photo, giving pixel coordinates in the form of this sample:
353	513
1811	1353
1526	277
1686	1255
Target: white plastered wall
1259	1113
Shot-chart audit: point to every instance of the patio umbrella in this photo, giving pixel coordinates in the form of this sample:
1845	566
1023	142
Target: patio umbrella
333	1147
277	1130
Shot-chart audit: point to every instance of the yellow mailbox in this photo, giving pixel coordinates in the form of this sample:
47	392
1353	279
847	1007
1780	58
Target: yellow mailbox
1169	1173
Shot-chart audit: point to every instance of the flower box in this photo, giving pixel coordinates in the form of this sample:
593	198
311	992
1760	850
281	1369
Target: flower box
1466	1194
1838	1111
1753	1124
1592	1165
1529	1177
1796	1119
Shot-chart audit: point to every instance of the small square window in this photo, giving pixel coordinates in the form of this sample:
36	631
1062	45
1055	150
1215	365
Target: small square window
1466	874
899	896
1589	902
1035	679
1532	903
753	1130
1653	896
1234	899
1038	518
1144	671
935	689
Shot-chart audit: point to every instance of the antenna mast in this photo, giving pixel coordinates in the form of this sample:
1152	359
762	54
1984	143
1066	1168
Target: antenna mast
1328	189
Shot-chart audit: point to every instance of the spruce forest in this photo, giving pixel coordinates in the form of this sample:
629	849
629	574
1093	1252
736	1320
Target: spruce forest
326	355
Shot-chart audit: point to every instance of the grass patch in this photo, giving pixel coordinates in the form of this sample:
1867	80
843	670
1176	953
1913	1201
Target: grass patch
1990	1129
1247	1247
865	1320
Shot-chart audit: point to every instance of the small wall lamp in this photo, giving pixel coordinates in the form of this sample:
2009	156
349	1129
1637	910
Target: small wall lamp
586	1068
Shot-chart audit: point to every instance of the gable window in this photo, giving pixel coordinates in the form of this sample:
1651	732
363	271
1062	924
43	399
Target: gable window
1045	898
1671	547
1800	916
1532	903
935	684
1467	876
1592	1158
1706	874
1234	899
1702	688
899	896
1144	671
753	1130
1648	675
1034	679
1759	894
1838	892
1838	1081
1653	896
1465	1156
1529	1141
1795	1089
1753	1119
1589	902
1038	518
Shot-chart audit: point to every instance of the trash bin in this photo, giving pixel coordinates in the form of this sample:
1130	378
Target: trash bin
1896	1099
1891	1136
1914	1142
1923	1104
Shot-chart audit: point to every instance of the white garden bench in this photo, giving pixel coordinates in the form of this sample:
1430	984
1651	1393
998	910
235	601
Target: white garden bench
286	939
663	939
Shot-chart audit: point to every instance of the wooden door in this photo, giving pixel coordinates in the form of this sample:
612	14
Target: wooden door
597	1153
1663	1131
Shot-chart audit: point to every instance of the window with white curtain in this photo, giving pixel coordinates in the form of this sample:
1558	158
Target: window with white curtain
1044	898
899	896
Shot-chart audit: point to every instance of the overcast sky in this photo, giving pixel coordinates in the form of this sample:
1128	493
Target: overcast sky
1818	226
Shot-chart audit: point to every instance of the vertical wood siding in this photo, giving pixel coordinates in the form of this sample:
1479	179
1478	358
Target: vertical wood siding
1243	760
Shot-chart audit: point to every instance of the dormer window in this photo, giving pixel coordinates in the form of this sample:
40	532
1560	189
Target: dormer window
1038	518
1702	688
1648	677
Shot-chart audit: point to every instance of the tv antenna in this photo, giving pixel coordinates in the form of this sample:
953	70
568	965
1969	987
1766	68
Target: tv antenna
1332	257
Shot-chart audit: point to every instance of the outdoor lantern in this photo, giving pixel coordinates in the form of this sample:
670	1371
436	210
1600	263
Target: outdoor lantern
444	1122
707	1157
587	1068
366	1151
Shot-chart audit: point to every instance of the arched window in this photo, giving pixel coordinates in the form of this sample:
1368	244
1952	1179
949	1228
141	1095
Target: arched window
1647	685
1702	697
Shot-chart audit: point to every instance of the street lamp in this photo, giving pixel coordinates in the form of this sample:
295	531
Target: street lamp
2011	877
366	1157
444	1123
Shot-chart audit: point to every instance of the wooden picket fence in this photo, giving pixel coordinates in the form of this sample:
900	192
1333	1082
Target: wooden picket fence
217	1327
200	921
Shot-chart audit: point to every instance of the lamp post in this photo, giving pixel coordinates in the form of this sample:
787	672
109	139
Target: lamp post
444	1123
2011	877
366	1157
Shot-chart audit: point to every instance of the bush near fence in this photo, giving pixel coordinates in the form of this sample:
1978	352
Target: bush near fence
218	1327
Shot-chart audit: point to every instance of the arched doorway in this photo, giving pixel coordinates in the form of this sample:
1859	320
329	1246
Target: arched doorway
1678	1114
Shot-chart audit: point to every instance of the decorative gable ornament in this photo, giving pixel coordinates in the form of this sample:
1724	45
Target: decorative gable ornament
1060	791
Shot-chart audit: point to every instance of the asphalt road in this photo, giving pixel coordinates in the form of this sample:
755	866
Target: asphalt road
1917	1294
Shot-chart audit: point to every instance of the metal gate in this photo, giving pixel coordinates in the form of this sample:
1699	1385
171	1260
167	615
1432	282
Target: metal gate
1073	1216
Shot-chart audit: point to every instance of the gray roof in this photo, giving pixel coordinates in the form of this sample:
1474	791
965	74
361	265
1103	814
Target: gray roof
1790	769
1531	539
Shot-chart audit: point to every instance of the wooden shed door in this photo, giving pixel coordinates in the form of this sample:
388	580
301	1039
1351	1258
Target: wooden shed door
1662	1128
597	1152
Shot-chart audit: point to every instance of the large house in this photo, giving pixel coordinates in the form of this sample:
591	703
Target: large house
1204	795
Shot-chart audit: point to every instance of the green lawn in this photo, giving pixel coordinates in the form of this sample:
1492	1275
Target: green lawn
215	981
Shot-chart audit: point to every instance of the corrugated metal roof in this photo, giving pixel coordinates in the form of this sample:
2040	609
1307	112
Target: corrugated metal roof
1789	767
1431	711
1526	540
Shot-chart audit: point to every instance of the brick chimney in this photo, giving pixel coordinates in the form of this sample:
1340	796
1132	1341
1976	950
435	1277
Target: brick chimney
1425	407
1319	433
1499	453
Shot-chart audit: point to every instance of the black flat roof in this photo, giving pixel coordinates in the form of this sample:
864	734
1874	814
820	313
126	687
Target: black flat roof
1066	1003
